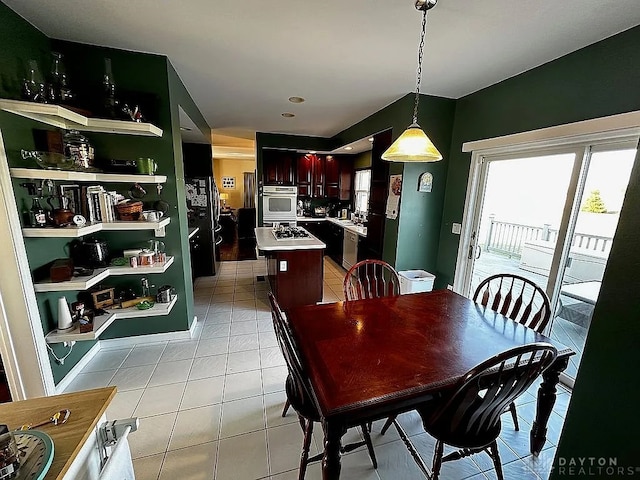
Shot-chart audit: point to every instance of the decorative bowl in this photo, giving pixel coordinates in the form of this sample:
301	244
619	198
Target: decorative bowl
49	160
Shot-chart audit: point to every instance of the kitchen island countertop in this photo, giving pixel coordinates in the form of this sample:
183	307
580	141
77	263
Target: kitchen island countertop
268	243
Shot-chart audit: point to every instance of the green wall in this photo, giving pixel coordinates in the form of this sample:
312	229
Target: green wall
158	86
597	81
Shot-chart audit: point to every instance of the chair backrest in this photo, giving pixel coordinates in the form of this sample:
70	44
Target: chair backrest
515	297
486	391
289	349
371	279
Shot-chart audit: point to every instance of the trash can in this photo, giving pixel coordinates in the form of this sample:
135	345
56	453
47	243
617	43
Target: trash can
415	281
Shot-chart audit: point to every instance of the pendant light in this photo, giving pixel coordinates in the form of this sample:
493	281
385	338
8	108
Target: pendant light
414	145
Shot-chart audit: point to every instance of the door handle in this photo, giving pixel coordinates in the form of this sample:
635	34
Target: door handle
479	252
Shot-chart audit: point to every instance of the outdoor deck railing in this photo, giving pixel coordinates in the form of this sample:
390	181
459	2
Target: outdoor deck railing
509	238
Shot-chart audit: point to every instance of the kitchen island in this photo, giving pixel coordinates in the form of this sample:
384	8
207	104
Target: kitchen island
295	267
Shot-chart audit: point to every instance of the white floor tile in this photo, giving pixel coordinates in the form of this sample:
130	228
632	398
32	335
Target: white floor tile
271	357
273	406
148	468
159	400
241	343
212	346
87	381
196	426
242	385
243	457
215	330
179	350
285	445
152	436
243	361
242	416
193	463
273	378
267	339
124	403
170	372
144	355
205	367
203	392
132	378
244	328
241	314
106	360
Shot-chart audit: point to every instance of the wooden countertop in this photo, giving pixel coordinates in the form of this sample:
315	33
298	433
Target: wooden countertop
267	242
86	409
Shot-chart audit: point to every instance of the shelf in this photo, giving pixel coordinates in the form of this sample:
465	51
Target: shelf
101	322
61	117
70	175
75	232
99	274
63	232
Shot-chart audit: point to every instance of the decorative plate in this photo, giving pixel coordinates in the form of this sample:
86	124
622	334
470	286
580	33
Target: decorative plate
36	454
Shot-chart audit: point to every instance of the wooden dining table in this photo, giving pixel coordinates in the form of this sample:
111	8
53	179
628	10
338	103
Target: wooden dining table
369	359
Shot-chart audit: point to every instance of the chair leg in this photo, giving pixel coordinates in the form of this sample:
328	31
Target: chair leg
367	440
304	456
493	453
437	459
514	415
287	404
387	424
303	425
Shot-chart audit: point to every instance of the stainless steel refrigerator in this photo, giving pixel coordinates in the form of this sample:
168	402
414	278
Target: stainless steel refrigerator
203	212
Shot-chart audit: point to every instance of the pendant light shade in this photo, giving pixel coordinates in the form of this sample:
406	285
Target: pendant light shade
414	145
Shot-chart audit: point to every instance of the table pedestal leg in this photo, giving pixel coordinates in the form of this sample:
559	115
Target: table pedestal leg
546	400
331	460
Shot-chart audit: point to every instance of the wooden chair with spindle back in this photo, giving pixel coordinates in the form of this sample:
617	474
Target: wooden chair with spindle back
298	391
469	417
371	279
519	299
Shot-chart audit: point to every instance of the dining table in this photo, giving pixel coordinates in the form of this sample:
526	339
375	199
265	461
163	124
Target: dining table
373	358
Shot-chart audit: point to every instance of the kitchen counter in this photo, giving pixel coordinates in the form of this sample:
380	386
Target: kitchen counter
87	407
267	242
295	268
346	224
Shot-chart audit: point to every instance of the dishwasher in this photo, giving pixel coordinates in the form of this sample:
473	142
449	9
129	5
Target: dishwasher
350	249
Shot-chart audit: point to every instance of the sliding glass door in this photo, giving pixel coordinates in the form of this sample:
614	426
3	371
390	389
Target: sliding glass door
548	215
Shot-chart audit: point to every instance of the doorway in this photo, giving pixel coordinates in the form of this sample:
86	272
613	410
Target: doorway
549	215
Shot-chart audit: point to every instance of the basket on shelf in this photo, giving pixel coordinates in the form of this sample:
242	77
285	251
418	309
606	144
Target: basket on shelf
129	210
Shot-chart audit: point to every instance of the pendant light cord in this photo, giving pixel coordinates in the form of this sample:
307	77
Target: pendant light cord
419	72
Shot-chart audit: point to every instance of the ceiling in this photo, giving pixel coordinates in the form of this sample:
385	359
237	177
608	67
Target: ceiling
348	59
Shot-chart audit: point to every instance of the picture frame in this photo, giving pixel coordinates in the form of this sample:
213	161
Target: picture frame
72	194
229	182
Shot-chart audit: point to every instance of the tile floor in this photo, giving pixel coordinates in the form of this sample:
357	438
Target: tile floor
210	407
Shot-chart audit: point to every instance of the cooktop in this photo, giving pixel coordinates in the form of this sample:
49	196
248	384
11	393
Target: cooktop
290	233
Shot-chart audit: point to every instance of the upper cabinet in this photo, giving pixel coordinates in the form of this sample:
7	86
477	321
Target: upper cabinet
338	177
278	167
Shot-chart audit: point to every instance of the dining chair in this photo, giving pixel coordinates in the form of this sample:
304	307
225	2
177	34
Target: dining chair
468	418
298	391
518	298
371	279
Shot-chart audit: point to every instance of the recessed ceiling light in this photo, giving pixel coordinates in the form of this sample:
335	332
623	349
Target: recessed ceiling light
348	148
312	152
371	139
296	99
288	115
185	129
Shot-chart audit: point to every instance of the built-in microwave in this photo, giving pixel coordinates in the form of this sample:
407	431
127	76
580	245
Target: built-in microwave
279	203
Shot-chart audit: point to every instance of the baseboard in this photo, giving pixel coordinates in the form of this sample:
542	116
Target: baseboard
152	338
77	368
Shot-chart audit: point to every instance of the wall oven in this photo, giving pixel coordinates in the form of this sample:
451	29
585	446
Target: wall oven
279	203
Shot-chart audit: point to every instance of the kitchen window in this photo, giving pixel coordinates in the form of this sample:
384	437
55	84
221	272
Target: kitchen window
361	186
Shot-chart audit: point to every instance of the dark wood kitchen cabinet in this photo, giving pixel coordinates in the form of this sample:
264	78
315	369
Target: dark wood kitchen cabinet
338	177
310	176
278	167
